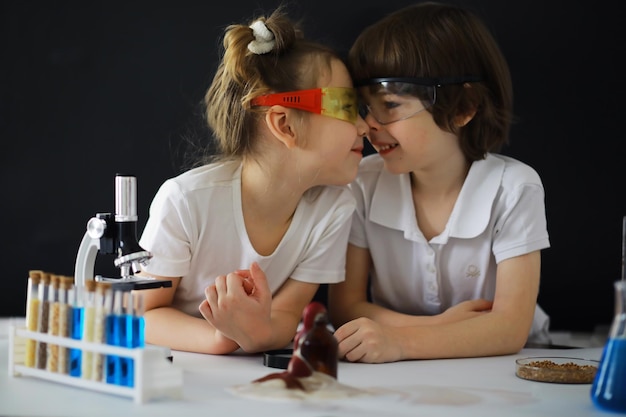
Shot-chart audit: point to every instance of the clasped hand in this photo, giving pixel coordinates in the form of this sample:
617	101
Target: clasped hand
238	305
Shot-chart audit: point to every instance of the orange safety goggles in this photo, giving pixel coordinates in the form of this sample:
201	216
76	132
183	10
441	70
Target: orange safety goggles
338	102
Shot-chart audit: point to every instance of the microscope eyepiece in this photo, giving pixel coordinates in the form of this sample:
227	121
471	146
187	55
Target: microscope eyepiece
125	198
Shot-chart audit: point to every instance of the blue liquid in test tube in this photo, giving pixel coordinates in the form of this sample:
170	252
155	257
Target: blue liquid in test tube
115	328
76	331
134	336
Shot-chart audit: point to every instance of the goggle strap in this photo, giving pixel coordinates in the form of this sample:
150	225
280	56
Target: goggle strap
425	81
307	100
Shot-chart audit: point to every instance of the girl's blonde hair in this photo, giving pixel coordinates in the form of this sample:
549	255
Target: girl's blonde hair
292	64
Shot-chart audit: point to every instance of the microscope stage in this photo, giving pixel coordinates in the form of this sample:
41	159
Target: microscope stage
134	283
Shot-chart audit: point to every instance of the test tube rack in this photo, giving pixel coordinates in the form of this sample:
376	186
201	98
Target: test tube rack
154	377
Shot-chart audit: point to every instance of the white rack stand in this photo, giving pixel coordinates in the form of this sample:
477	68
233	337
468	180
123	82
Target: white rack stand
154	377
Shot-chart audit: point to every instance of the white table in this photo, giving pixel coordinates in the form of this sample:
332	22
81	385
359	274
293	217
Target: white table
454	387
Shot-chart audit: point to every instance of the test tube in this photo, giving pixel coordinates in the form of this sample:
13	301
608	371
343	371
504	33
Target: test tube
65	322
134	331
89	312
52	356
42	322
138	321
103	308
75	295
32	314
125	374
114	331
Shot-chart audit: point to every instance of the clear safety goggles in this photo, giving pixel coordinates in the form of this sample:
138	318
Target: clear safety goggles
392	99
338	102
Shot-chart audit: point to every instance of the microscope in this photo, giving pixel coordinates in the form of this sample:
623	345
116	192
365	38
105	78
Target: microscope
116	235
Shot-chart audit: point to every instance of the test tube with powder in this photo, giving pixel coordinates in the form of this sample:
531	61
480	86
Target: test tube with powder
32	314
52	356
42	322
65	322
103	307
89	314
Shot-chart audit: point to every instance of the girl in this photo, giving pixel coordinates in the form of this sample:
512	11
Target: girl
448	232
247	239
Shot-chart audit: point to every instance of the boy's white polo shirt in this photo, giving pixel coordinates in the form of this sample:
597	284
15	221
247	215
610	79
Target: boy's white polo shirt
499	214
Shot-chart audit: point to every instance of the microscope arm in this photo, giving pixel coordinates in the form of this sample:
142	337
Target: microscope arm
86	260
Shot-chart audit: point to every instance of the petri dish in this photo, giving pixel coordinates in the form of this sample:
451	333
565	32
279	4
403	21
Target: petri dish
557	369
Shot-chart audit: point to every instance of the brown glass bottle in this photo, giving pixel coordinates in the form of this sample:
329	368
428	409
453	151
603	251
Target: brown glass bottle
319	347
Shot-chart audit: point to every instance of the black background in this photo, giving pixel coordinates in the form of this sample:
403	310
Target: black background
91	89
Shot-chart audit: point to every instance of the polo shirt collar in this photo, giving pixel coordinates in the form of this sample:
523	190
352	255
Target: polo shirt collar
392	202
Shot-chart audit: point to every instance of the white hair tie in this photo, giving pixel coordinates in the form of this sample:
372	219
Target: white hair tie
263	39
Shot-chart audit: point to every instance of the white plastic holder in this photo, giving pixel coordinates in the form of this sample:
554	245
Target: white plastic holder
154	377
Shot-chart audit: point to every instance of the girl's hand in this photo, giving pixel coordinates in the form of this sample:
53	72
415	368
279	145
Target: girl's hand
248	284
238	305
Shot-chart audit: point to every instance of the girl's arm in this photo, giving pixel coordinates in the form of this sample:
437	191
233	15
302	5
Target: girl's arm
167	326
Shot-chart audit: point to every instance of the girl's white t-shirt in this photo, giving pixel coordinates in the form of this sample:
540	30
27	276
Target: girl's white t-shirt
196	231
